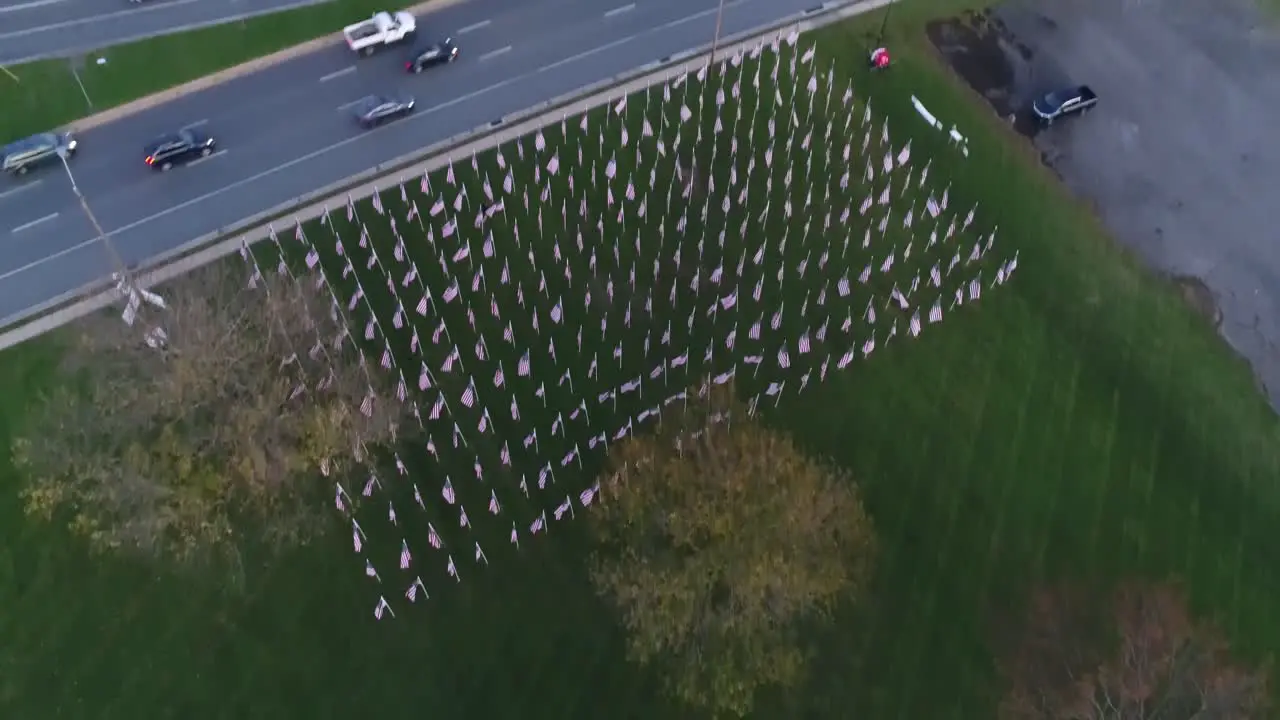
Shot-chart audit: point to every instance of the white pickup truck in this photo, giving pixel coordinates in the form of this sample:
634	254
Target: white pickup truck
382	29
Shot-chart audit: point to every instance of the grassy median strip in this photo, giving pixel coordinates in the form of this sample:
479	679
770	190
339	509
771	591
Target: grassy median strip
46	94
1081	421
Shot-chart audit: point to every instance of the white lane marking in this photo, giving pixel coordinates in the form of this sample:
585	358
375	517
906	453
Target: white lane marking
210	156
282	166
351	104
33	223
619	10
20	188
196	124
588	53
98	18
28	5
700	15
338	73
48	258
495	53
473	27
254	178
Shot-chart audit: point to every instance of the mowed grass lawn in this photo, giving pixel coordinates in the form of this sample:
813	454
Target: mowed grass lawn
1081	421
46	95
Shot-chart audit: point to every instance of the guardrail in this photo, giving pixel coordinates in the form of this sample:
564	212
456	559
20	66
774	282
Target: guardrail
224	241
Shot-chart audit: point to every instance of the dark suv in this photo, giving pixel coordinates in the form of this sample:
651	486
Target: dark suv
21	156
183	146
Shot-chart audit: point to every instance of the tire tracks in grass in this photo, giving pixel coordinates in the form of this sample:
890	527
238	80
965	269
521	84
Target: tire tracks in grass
886	562
946	547
1095	527
1015	442
1047	522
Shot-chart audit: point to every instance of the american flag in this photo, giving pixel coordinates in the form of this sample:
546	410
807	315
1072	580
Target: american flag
447	491
382	607
412	592
405	557
494	507
370	571
433	537
453	569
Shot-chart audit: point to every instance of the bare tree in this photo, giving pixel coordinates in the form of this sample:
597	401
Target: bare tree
1146	660
214	429
719	538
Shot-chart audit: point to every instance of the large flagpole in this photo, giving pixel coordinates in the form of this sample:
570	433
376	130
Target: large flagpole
884	23
715	40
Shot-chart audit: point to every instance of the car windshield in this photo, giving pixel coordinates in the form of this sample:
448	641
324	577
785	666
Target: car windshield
34	142
187	136
1056	99
369	104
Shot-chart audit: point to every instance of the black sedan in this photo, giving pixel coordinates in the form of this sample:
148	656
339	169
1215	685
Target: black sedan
442	53
377	109
184	146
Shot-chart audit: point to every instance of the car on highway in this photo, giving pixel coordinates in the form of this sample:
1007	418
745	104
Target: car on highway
440	53
1067	101
184	146
377	109
27	154
381	30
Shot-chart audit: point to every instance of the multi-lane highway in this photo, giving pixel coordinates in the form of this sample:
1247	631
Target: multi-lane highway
34	29
287	130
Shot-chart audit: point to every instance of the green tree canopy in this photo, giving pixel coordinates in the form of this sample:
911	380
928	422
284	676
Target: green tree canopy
206	425
719	541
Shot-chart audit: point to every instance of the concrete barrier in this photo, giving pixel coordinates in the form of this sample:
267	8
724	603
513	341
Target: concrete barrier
223	242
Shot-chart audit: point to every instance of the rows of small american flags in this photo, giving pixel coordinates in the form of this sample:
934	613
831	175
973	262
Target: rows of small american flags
748	223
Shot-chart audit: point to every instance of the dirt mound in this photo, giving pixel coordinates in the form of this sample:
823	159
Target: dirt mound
977	46
1200	297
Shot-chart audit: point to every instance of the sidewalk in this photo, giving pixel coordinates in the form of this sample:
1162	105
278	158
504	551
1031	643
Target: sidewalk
252	66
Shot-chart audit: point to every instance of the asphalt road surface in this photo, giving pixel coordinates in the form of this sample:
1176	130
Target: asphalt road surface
1180	158
35	29
288	129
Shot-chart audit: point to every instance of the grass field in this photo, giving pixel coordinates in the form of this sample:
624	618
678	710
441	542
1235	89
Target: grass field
47	96
1080	421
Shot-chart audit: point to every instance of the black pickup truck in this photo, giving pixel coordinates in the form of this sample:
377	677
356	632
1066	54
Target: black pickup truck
1067	101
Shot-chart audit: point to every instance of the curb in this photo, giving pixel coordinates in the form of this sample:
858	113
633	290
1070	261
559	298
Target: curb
214	246
134	107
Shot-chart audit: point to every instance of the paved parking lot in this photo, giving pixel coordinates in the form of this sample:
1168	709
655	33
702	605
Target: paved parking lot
1181	158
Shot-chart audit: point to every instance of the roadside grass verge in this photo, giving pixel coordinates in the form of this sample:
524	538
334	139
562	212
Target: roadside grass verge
1079	421
47	95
